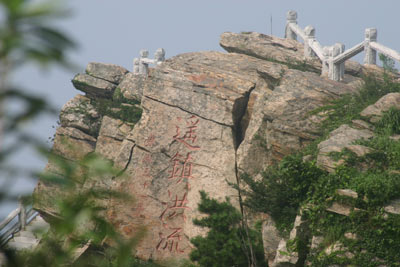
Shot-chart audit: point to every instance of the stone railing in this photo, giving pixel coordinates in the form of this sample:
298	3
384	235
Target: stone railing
141	65
8	227
333	57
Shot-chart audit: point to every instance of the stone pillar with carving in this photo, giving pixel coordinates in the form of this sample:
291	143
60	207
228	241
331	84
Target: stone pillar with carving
371	35
341	48
143	65
136	65
325	62
334	69
291	17
310	36
159	56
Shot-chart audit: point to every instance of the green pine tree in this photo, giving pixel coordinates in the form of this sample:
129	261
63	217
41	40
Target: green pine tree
226	242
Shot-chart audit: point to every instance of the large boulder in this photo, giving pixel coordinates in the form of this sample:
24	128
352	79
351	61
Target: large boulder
266	47
339	139
109	72
93	87
79	113
206	118
280	123
286	51
131	87
271	239
374	112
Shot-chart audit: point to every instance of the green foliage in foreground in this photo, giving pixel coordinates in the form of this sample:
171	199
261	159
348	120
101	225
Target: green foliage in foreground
375	177
81	220
226	243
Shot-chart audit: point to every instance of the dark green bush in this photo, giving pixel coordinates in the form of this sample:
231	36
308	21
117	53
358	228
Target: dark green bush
282	189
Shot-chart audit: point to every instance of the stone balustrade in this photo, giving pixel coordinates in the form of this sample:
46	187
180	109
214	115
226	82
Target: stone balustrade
141	65
333	57
8	227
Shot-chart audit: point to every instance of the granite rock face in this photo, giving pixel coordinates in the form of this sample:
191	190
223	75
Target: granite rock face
109	72
281	118
374	112
79	113
342	137
92	86
286	51
131	86
207	117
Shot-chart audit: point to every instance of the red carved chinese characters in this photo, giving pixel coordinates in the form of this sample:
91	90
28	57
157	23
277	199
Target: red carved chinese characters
171	241
182	167
177	205
180	173
189	137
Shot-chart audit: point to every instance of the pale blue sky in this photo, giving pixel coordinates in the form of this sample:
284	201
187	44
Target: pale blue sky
114	32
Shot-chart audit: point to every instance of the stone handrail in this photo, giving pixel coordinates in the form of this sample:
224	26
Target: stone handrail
25	216
333	57
141	65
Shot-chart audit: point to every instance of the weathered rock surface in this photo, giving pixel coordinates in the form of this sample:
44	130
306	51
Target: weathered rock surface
341	138
347	193
112	133
375	111
393	207
285	254
206	117
360	124
72	145
266	47
281	123
340	208
132	86
272	48
271	239
79	113
93	87
109	72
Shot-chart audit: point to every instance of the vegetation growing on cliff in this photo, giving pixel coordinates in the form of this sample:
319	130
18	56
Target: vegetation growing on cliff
295	184
119	107
226	243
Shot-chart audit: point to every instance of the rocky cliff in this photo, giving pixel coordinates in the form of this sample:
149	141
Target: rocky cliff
196	122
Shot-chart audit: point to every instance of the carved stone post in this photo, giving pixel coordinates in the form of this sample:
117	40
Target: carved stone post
291	17
310	36
136	65
143	66
341	48
159	56
325	62
22	214
334	69
371	35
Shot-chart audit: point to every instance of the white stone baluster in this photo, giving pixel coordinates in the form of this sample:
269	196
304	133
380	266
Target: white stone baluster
136	65
371	35
143	65
325	61
334	69
291	17
159	56
341	48
310	36
22	214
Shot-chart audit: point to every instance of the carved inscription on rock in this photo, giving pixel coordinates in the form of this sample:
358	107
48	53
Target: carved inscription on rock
180	174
